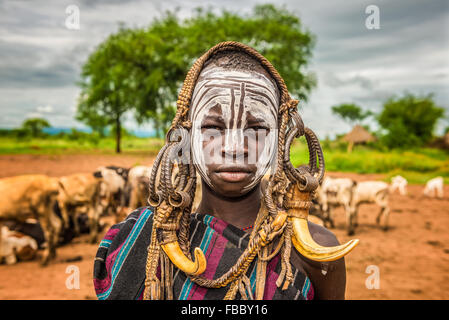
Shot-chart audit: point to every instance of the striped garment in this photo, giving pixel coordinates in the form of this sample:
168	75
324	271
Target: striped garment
119	269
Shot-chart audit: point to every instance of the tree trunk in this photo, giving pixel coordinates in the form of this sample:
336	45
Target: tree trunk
118	134
350	146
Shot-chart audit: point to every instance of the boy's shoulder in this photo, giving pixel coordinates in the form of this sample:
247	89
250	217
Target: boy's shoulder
328	278
121	241
119	232
322	235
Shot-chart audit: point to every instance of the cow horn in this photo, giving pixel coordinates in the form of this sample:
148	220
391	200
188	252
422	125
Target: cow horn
179	259
301	238
303	242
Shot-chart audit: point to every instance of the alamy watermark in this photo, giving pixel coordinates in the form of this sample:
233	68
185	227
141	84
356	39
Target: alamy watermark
73	280
372	21
373	280
72	21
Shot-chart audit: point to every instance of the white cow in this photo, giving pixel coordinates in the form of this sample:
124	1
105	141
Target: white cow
138	179
434	187
16	246
400	183
369	192
113	188
333	193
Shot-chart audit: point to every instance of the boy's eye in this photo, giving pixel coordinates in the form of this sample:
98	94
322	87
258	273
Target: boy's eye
257	128
211	127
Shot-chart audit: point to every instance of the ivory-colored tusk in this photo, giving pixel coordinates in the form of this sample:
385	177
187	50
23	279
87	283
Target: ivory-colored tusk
303	242
178	258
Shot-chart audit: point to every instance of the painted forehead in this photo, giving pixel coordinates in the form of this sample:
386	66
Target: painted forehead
237	94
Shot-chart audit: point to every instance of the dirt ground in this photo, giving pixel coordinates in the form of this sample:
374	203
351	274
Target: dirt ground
410	260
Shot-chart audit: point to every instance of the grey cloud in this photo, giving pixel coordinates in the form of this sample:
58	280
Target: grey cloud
335	81
56	75
25	66
45	109
96	3
407	28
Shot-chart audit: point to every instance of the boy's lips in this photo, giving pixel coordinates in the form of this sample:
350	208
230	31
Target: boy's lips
233	176
235	173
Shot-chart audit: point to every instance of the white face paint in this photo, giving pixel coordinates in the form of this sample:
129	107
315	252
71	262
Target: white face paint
239	99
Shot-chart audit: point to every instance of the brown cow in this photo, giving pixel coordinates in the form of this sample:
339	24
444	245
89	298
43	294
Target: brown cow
78	192
32	196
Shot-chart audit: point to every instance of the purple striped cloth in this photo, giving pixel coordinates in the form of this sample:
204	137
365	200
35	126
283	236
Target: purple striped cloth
119	267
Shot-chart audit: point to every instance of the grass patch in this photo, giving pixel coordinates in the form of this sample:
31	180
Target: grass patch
50	146
417	166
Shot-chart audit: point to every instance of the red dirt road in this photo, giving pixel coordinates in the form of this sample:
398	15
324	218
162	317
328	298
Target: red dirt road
412	257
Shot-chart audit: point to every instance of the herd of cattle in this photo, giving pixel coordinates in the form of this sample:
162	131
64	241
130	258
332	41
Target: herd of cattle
349	194
42	212
38	211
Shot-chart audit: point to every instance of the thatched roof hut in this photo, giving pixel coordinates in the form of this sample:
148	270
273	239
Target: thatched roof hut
446	140
358	134
440	142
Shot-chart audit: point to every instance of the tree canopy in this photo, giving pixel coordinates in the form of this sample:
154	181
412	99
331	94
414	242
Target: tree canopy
35	126
141	70
350	113
409	120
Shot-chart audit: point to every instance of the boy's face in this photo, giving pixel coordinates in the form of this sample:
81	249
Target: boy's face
234	131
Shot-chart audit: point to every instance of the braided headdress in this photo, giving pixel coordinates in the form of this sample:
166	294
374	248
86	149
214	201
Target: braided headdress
282	216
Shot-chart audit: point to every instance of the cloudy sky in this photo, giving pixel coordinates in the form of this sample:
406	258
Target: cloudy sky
40	58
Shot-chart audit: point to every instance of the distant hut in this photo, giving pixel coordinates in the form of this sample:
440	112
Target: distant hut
446	140
358	135
440	142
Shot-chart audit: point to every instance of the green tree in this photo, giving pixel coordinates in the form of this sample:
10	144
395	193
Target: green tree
409	120
93	118
35	126
141	70
105	84
274	31
350	113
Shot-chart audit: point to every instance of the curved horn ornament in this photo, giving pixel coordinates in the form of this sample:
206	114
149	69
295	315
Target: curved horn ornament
298	204
178	258
303	242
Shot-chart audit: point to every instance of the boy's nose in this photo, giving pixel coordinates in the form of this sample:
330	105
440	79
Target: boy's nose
234	144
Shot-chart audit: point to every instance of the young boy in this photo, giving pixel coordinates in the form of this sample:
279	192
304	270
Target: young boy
249	237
